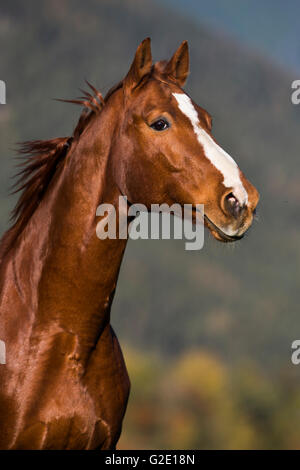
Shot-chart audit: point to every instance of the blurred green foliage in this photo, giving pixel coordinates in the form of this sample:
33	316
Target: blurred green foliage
198	402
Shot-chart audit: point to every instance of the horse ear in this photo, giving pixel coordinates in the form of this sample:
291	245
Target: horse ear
141	65
178	66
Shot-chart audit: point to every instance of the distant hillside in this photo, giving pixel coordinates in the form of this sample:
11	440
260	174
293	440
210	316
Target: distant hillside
238	301
270	26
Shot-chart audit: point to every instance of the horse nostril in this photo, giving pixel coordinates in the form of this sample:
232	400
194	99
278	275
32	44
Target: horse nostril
232	205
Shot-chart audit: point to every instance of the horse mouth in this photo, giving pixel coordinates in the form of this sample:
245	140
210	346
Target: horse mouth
218	233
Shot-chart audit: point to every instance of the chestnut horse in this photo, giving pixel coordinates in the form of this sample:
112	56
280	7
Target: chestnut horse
64	384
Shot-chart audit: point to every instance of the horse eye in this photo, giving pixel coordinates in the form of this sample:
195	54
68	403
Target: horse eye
160	125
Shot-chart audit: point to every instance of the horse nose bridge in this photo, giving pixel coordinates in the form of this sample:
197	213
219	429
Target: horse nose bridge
253	196
252	192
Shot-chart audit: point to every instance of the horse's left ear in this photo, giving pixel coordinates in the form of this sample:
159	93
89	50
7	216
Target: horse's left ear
140	67
178	66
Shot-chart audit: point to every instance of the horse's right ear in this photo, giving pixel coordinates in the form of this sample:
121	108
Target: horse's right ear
140	67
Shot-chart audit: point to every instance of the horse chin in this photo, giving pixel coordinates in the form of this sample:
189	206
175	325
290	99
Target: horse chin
220	238
218	233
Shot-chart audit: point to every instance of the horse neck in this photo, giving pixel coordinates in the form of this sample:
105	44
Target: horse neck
66	273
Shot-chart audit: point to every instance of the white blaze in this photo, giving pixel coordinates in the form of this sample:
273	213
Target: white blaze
217	156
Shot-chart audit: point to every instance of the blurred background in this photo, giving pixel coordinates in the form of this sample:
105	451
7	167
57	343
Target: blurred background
206	335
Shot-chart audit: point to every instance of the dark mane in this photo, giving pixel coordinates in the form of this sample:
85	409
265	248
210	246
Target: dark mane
39	163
